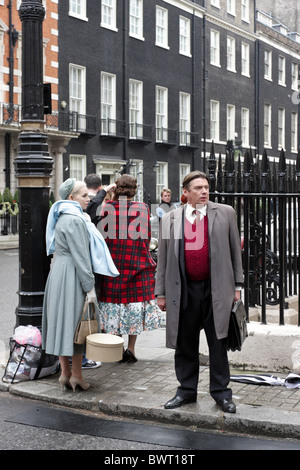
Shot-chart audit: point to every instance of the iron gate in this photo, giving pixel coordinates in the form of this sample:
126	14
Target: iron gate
266	198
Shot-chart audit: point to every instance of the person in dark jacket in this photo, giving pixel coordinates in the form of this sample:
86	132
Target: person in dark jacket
96	194
165	203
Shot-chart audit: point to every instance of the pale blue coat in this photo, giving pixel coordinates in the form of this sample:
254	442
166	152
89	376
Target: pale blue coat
70	277
80	251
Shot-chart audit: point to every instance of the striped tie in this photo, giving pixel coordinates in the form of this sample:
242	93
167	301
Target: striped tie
197	216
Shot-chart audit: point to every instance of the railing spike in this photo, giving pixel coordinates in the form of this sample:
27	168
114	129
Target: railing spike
220	175
264	172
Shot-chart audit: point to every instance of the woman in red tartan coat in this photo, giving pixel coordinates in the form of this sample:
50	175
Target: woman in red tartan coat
126	302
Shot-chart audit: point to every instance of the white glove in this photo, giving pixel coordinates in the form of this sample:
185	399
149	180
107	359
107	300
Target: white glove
91	296
110	187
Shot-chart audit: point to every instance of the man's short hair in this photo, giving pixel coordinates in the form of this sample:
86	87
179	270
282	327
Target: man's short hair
193	175
165	190
92	181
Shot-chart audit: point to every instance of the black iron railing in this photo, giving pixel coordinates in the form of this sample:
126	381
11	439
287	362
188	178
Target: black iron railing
9	224
266	197
166	136
65	121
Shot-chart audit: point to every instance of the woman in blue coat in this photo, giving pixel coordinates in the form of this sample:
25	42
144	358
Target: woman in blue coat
79	252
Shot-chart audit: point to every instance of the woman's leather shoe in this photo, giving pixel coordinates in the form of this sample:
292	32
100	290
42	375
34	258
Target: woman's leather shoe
131	356
227	405
178	401
128	356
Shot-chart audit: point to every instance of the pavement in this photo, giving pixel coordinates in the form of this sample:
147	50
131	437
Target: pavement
139	390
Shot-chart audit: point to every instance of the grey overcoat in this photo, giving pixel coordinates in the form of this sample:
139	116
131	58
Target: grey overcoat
70	277
225	260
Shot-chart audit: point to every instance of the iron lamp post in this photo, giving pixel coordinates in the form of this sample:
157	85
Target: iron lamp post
33	166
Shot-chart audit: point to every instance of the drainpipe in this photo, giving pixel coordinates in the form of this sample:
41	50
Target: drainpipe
193	82
257	88
13	37
204	77
7	160
257	96
125	84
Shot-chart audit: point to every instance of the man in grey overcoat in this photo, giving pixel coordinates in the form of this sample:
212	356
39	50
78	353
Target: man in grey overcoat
199	276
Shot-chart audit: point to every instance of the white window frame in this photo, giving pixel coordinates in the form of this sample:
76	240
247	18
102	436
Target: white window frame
162	27
108	103
267	124
184	170
109	14
294	132
281	70
135	109
77	93
294	76
281	128
184	118
215	3
245	59
214	120
184	36
77	166
230	120
80	6
137	171
268	64
161	113
161	179
245	126
136	19
215	48
245	11
231	62
231	7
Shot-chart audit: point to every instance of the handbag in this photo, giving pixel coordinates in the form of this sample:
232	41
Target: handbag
237	331
86	326
28	362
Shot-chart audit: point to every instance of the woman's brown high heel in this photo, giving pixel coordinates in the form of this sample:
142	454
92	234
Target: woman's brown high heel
64	382
74	381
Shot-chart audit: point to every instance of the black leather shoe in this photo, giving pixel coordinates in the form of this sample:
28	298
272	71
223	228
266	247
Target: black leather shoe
227	405
178	401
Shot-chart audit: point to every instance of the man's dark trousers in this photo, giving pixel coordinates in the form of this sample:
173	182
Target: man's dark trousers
196	315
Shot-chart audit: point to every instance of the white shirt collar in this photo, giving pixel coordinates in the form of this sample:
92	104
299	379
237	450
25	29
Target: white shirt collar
202	208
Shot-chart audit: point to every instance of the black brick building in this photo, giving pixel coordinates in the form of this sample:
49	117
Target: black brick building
151	84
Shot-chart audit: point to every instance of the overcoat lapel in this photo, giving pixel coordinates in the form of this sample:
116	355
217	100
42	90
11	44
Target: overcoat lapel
179	252
211	213
177	228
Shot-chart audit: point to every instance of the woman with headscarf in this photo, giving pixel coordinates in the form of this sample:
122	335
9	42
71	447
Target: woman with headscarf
80	251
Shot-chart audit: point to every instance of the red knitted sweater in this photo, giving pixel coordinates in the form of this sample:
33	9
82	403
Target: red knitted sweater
196	250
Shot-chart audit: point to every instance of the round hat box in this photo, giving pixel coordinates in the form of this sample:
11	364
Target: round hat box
104	347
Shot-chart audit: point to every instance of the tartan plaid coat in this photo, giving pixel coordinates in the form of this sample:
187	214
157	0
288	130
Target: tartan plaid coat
125	225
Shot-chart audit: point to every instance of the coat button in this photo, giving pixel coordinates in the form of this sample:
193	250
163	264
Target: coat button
177	282
174	302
